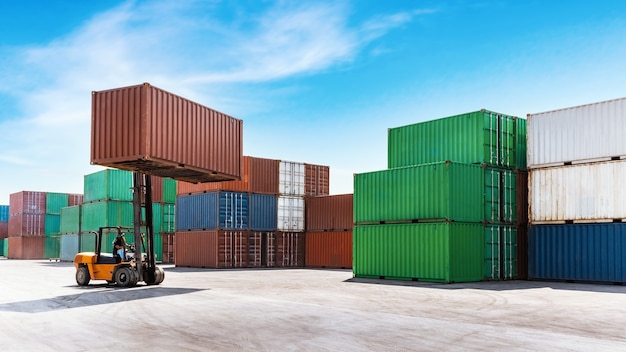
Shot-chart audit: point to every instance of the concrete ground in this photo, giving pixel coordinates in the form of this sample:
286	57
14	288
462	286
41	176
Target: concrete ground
42	309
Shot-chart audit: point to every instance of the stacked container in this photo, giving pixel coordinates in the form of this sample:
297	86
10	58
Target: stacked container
329	231
4	228
26	233
577	210
55	202
446	209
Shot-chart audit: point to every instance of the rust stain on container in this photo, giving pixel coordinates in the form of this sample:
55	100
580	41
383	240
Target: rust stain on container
316	180
215	249
329	213
26	248
144	128
329	249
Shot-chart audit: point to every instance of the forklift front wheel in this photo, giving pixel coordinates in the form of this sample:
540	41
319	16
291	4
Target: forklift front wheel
82	276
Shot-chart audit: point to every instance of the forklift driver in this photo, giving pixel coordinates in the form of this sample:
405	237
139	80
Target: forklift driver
120	245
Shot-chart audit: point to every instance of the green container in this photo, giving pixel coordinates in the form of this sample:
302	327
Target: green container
169	191
108	184
500	252
157	215
477	137
521	144
52	245
500	196
56	201
437	191
106	213
52	225
169	218
434	252
3	244
70	219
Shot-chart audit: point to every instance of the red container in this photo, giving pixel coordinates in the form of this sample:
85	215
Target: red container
75	199
212	249
290	249
144	128
157	189
329	249
24	224
27	202
168	248
316	180
329	213
261	249
26	248
522	197
4	229
259	176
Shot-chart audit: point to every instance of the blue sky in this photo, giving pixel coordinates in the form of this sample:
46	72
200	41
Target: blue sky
317	81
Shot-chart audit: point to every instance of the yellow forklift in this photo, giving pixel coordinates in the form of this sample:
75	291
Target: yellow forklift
125	271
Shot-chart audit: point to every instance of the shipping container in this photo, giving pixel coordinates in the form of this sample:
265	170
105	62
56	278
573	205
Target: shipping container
4	213
26	247
169	218
163	190
87	240
70	219
169	191
263	210
3	246
578	252
211	249
291	178
580	193
476	137
434	252
500	252
329	249
500	195
521	149
56	201
290	214
316	180
27	224
52	224
213	210
521	180
106	213
169	250
585	133
108	184
329	213
437	191
290	251
52	247
5	253
27	202
522	252
68	247
261	249
75	199
4	229
144	128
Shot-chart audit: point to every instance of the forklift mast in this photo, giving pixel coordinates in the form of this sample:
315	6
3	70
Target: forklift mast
142	204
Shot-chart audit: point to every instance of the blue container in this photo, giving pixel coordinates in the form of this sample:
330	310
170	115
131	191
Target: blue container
263	209
212	211
578	252
4	213
233	210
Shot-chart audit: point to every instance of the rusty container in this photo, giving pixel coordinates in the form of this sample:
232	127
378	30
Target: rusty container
26	224
316	180
329	213
261	249
290	249
27	202
329	249
26	247
4	229
215	249
144	128
168	248
75	199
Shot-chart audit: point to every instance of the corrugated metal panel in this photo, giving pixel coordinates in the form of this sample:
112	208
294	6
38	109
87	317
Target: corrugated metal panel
157	188
27	202
475	137
52	224
522	252
578	252
197	211
4	213
106	213
329	249
290	249
261	249
438	252
584	193
169	191
316	180
500	252
147	129
263	209
87	242
290	214
522	197
108	184
329	213
52	247
169	218
26	224
5	253
500	195
212	249
264	175
68	247
25	247
70	219
3	242
521	149
157	217
233	210
556	137
242	185
56	201
441	190
168	248
75	199
291	176
4	229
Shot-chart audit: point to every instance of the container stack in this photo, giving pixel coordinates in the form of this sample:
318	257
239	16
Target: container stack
329	231
52	227
27	215
445	210
4	229
257	221
576	161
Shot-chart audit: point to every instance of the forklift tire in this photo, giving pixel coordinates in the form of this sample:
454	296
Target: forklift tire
125	277
159	275
82	276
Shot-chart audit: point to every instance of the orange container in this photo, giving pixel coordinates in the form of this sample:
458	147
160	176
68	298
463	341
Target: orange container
329	213
329	249
211	249
316	180
26	247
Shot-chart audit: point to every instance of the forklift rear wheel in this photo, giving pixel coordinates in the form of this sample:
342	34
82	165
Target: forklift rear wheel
82	276
125	277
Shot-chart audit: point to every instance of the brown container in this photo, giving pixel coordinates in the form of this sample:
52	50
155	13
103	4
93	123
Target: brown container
522	197
259	176
212	249
24	224
522	252
27	202
26	248
329	249
316	180
4	229
261	249
329	213
290	250
144	128
157	189
74	199
168	248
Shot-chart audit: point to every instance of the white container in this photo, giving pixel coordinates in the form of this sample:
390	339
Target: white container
291	180
68	247
290	214
586	133
592	192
